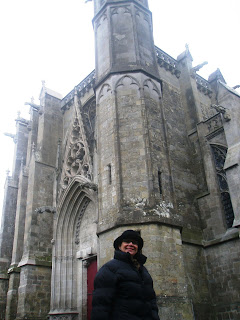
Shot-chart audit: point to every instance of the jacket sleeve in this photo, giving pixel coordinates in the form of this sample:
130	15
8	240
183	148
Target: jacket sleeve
103	294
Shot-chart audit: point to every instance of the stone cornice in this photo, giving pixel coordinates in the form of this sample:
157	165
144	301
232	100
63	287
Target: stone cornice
167	62
203	85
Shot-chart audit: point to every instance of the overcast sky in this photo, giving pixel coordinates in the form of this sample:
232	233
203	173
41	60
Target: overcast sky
52	40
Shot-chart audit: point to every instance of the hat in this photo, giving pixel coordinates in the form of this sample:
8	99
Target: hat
128	234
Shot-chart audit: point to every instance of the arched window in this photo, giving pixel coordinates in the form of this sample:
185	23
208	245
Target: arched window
219	153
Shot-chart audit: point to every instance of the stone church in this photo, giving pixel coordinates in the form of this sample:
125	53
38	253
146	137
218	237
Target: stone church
143	143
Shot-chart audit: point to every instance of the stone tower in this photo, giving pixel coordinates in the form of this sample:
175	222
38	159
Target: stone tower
143	143
133	156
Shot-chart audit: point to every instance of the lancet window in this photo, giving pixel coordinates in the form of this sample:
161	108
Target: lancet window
219	153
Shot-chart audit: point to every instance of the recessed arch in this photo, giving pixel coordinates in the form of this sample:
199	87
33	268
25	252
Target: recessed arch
151	86
105	89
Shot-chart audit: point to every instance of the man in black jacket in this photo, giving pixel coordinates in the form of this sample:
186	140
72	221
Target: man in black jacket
123	288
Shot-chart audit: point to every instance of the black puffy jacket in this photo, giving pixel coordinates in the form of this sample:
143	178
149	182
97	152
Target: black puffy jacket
121	292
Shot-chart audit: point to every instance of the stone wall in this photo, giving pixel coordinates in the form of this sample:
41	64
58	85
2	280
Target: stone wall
223	268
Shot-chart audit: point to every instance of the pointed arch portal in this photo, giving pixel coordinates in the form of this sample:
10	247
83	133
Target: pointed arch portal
74	245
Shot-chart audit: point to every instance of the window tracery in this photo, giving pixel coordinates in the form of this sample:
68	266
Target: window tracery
219	154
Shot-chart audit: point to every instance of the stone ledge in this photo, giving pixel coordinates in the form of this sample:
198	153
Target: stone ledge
107	227
4	276
231	234
35	262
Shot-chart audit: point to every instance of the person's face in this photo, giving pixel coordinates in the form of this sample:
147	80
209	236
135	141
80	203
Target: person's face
130	246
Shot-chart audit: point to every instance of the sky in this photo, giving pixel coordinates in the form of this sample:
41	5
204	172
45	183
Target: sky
52	40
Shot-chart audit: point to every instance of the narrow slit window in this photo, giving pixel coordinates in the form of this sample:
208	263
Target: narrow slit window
160	182
109	173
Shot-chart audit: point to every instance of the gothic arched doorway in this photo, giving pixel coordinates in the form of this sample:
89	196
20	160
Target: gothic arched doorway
74	245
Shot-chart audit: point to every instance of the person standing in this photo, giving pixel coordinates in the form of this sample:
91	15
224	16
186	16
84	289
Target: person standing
123	288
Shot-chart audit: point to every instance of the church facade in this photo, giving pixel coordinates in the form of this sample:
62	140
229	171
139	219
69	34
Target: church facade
142	143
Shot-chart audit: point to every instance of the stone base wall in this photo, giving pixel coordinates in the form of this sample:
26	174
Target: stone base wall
163	248
198	291
224	279
175	308
12	296
34	292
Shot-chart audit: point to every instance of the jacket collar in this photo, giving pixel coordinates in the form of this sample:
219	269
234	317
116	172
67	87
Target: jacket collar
126	257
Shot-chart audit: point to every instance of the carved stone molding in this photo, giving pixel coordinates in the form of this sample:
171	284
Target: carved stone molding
64	258
115	10
89	116
133	81
206	111
105	89
214	123
77	160
150	85
143	15
101	19
45	209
